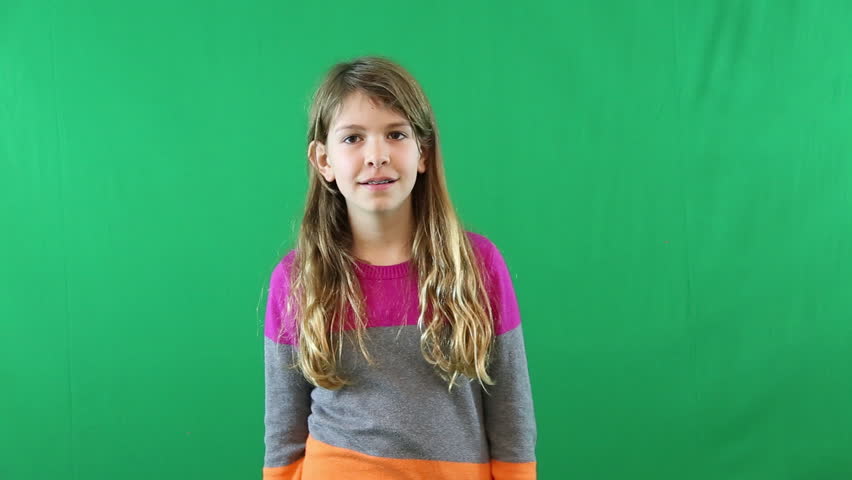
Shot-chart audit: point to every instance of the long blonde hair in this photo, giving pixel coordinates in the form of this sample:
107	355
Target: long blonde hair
455	318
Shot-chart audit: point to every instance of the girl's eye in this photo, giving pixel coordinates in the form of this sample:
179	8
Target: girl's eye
392	133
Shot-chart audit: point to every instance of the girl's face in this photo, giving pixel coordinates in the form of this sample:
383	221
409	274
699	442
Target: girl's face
365	141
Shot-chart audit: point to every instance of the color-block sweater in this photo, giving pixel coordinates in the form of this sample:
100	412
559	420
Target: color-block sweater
398	421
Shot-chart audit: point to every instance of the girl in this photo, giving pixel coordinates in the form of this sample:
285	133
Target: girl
385	323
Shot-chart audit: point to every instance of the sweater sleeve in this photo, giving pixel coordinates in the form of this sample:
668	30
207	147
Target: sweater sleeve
287	392
508	406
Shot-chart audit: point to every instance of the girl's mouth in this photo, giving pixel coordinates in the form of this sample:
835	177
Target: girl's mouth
378	186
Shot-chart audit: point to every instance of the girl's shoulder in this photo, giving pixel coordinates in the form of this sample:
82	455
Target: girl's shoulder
487	252
482	245
498	283
278	322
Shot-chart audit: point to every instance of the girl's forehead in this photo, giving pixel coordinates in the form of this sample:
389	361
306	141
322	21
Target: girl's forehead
358	109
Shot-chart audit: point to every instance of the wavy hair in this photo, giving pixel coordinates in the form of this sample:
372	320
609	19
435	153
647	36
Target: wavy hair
455	318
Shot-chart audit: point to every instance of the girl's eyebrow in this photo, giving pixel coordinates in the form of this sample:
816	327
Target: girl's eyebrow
390	125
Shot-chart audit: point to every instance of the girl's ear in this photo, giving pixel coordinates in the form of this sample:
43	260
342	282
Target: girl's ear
421	165
318	157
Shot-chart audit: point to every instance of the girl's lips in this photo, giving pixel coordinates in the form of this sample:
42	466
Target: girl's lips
380	186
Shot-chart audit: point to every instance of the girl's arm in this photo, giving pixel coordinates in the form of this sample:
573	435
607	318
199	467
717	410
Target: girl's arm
508	407
287	393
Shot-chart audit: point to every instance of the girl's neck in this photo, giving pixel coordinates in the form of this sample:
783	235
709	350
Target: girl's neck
383	243
383	252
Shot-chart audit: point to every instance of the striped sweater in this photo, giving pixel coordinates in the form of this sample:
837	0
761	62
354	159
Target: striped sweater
399	421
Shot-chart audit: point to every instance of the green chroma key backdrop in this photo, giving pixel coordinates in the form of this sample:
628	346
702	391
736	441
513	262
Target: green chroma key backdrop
669	183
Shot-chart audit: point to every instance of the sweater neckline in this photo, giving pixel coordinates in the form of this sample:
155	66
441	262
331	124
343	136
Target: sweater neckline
397	270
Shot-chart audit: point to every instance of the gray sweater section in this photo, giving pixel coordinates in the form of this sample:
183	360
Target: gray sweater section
400	407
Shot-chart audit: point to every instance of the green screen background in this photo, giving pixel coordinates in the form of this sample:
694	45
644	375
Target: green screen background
669	183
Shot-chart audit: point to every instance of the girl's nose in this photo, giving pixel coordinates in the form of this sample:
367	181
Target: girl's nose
376	161
376	153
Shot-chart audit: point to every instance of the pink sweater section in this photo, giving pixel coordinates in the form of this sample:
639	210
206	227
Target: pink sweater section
390	293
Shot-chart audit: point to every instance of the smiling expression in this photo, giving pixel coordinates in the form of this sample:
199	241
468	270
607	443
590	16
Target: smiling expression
367	140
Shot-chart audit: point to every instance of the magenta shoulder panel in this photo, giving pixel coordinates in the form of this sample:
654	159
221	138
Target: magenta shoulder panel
383	296
500	287
278	325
